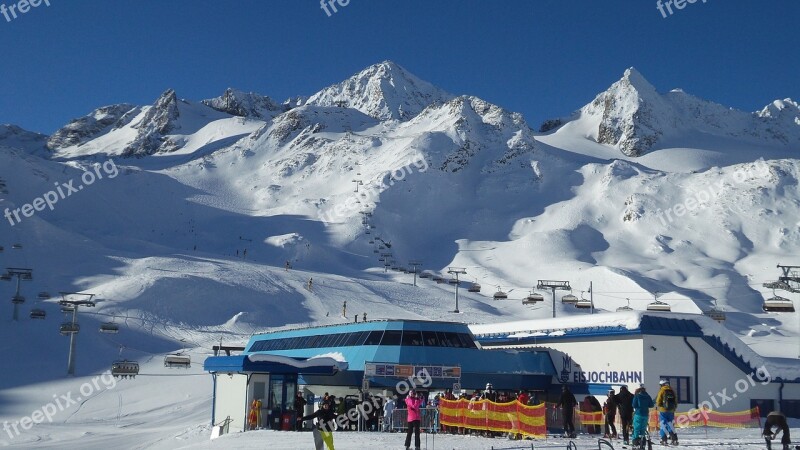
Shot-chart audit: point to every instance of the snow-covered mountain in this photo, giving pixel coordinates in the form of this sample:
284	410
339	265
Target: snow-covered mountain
383	91
633	117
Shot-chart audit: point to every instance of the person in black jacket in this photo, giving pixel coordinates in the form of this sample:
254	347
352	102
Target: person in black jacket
610	414
299	404
777	419
567	404
624	402
326	423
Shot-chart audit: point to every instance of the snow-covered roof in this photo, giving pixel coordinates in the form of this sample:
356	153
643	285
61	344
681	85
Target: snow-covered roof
642	322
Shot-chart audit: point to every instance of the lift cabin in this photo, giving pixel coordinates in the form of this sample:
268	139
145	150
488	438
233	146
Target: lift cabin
124	369
178	360
778	304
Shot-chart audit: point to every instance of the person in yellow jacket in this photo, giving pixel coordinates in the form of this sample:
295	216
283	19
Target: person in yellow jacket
667	403
254	417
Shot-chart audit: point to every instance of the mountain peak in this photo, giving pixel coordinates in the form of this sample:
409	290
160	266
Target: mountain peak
245	104
385	91
635	79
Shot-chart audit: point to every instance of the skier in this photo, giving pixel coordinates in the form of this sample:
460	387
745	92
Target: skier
623	401
610	413
323	431
777	419
642	402
667	403
567	404
310	283
412	404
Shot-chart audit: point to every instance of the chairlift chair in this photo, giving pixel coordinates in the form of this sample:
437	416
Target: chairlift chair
425	274
109	327
67	309
18	299
474	287
5	277
124	369
1	249
37	313
16	246
659	306
626	307
500	295
44	295
452	281
533	298
583	303
68	328
569	299
715	313
178	360
778	304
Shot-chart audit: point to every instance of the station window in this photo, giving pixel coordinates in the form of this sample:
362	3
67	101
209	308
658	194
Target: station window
412	338
374	338
431	339
392	337
682	387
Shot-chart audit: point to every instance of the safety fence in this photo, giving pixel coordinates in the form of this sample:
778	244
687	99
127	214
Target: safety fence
484	415
750	418
533	421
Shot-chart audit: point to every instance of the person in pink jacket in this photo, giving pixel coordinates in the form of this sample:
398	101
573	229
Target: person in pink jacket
412	405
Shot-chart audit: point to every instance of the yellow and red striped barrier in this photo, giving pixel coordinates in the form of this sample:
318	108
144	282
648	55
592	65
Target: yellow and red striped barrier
485	415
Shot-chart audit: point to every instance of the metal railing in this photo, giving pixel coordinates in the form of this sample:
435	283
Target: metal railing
429	420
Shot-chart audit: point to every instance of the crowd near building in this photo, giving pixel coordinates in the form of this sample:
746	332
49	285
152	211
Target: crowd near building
370	367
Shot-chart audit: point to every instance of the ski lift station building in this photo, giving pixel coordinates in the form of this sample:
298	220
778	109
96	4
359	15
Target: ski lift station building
706	364
377	355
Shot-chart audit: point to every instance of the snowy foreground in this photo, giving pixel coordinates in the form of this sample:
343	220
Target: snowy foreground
716	439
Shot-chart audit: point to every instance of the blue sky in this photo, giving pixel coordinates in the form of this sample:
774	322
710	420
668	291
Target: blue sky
543	58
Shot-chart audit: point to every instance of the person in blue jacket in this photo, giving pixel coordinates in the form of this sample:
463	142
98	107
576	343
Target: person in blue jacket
642	402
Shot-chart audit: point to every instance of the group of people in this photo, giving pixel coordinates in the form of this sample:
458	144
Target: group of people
634	412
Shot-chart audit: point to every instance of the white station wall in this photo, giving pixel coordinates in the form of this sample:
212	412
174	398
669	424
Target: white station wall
231	400
597	361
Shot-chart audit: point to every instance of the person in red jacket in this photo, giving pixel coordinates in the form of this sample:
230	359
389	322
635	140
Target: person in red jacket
412	405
